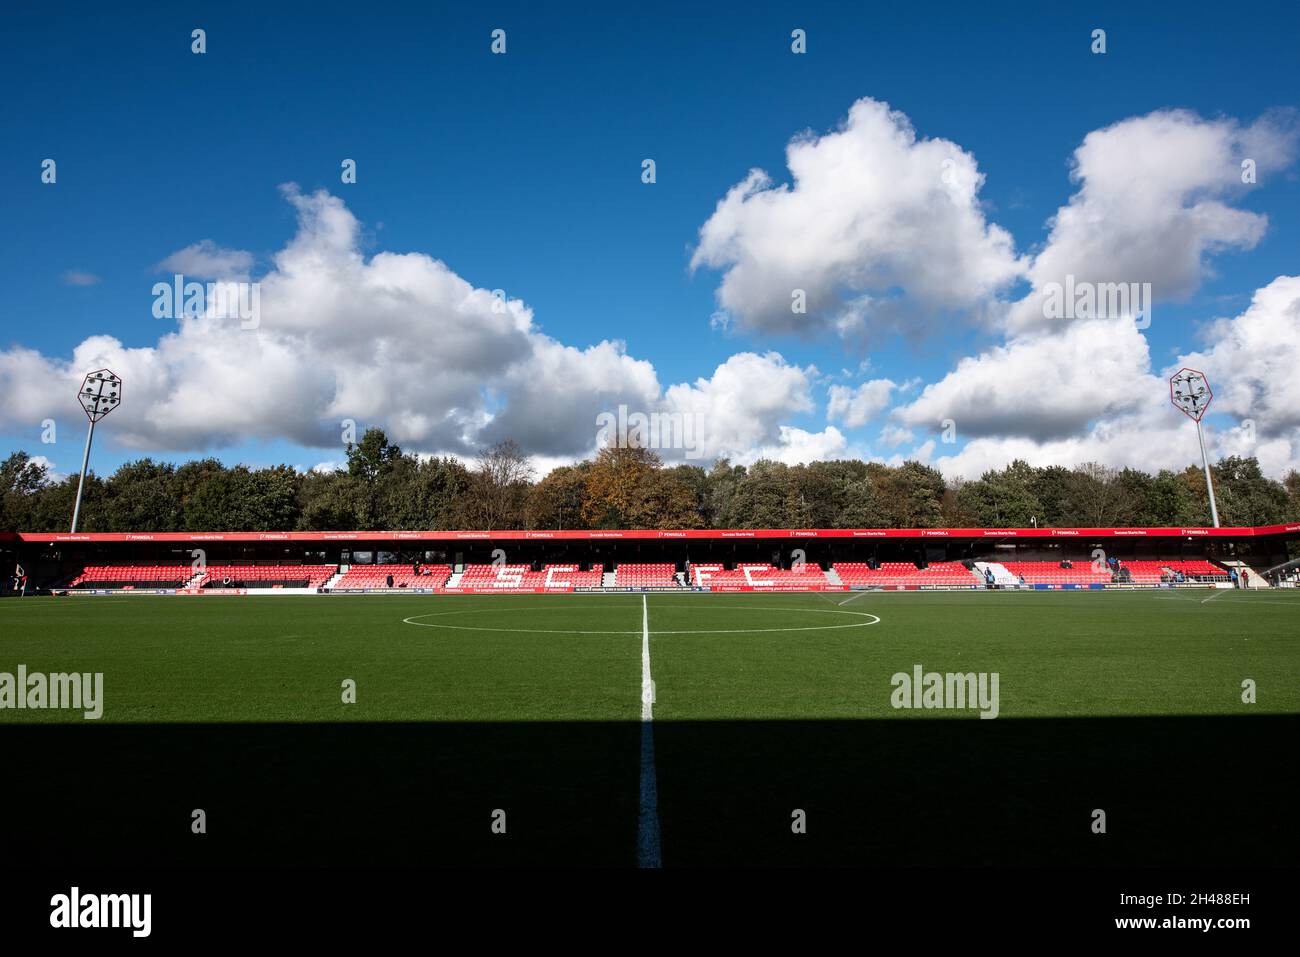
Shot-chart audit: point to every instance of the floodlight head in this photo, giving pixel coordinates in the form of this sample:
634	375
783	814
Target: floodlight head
100	394
1190	393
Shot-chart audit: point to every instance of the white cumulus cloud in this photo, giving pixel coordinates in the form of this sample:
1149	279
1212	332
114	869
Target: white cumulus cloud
879	228
1154	202
207	260
856	407
401	341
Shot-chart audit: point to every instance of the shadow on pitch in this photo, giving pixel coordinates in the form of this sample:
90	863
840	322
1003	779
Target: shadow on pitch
1176	792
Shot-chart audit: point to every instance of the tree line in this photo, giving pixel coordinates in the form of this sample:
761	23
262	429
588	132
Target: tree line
384	488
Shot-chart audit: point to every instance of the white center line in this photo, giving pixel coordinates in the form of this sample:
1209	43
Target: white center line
647	836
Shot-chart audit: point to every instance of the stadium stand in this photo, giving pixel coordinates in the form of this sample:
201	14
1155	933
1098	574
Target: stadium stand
944	573
1148	573
267	576
1154	572
522	576
567	576
1199	568
654	575
904	574
133	576
1083	572
760	574
404	576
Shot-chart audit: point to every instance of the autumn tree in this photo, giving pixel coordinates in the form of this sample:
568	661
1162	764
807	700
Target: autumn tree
557	500
501	478
141	495
723	478
383	487
626	487
1094	498
762	498
1292	486
1245	495
910	496
373	457
20	481
1005	498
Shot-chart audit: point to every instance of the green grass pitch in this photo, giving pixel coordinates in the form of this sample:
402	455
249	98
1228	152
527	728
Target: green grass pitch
764	703
737	656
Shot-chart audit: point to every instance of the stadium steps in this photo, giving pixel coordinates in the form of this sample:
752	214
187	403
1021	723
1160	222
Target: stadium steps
454	580
1001	575
607	579
334	579
1256	579
833	576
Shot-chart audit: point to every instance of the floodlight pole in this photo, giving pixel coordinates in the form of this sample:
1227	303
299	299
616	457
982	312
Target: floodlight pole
1189	391
81	484
1209	482
100	393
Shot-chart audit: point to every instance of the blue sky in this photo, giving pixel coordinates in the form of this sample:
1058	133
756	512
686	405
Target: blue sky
523	172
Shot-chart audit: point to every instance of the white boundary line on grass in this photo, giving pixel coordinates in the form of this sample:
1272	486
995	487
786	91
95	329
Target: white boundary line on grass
647	685
647	827
412	620
875	620
1261	601
869	619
